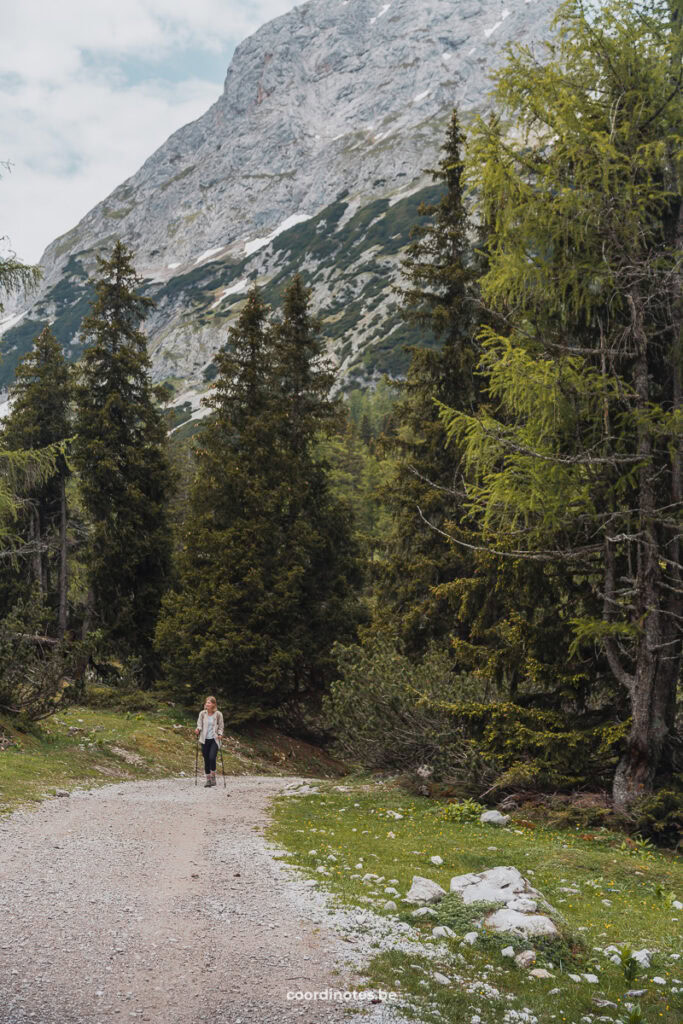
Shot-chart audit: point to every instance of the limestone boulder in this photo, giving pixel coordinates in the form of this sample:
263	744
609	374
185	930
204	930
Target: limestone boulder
423	890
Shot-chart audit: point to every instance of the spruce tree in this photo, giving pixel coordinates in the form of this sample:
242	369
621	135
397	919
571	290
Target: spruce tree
39	417
426	486
322	557
123	469
576	458
19	465
266	565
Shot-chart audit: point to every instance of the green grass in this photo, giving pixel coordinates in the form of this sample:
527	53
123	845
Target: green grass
87	747
639	885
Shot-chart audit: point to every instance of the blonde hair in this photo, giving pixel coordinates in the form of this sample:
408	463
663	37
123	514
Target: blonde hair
211	700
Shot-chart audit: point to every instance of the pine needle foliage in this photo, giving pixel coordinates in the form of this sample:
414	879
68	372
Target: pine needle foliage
268	568
123	469
425	487
575	455
39	419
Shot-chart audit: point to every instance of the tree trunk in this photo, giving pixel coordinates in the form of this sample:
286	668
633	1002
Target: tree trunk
63	564
89	613
651	707
37	558
658	653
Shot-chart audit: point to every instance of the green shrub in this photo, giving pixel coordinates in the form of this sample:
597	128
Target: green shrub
380	719
461	811
660	817
464	917
100	695
388	712
38	674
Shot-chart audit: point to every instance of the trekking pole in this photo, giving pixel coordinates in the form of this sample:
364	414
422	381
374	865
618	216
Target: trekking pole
220	751
196	762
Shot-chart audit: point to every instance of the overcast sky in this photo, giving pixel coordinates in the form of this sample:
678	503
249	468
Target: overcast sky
90	88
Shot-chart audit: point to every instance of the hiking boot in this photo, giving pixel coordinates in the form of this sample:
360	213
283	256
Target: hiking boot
213	780
208	783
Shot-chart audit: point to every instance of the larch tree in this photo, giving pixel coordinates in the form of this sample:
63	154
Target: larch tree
120	455
575	456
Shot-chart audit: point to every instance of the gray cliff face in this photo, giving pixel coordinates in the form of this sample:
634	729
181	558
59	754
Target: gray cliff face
337	97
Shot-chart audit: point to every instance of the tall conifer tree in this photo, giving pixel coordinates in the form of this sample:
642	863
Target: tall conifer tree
124	472
39	417
441	296
577	457
266	567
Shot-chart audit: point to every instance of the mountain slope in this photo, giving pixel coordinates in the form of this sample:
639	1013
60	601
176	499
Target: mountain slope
312	159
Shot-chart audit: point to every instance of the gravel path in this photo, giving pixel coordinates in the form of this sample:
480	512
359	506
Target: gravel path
161	902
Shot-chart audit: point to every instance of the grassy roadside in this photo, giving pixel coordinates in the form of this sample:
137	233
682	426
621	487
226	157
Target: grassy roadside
83	746
620	897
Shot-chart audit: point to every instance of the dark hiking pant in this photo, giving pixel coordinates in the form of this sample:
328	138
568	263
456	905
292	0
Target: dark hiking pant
210	752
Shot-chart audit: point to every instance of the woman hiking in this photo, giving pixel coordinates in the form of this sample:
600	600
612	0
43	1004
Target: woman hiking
210	732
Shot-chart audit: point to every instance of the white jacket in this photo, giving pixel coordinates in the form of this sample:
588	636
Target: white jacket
203	725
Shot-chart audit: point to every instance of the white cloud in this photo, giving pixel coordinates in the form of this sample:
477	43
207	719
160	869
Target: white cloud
76	120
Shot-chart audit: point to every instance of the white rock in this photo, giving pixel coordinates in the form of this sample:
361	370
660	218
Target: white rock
332	857
442	931
592	979
470	938
395	815
438	861
390	890
642	956
658	981
677	905
423	890
523	904
540	972
369	877
494	818
616	959
574	977
423	912
359	864
521	924
441	978
497	885
508	951
526	959
312	853
390	905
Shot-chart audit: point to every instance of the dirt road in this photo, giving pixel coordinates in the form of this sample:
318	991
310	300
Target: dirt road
160	902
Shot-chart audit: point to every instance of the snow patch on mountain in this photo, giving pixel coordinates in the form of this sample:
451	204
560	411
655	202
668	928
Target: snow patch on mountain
234	289
261	243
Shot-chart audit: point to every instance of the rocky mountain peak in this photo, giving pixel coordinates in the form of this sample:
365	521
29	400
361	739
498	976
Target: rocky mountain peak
337	98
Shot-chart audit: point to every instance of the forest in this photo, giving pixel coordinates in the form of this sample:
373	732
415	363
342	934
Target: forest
471	576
